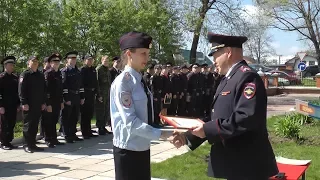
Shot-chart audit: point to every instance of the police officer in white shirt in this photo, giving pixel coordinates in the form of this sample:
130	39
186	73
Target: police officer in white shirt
131	111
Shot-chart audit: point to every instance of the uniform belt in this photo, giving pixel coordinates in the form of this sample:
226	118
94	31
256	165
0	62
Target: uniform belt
73	91
89	89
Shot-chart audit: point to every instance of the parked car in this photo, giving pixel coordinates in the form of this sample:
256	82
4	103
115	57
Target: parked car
257	67
310	71
284	78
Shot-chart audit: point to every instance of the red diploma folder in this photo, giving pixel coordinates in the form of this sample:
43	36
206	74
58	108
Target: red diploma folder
181	122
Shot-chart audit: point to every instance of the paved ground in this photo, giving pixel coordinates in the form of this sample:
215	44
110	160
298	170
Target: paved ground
90	159
93	159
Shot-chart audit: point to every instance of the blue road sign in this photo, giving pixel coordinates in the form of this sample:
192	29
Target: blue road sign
302	66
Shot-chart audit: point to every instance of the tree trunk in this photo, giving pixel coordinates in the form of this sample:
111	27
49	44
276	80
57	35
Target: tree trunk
197	32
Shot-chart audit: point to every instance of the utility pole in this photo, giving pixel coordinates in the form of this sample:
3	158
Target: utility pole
279	59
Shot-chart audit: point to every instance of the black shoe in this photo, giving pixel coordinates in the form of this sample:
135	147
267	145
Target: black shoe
86	137
56	142
68	140
77	139
93	135
102	133
93	131
27	149
50	144
12	146
36	148
6	147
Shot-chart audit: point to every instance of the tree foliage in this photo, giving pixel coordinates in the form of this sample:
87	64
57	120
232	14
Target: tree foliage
301	16
41	27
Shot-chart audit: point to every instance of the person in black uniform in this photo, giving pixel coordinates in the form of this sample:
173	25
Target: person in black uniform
90	84
115	71
54	100
176	89
46	66
236	128
166	92
156	82
208	83
32	96
147	75
182	111
169	67
9	102
195	91
73	95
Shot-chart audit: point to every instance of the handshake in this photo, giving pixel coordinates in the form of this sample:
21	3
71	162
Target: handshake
176	138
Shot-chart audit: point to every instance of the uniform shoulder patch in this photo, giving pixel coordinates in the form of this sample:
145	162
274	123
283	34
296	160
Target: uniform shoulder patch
249	90
1	75
127	76
244	68
125	99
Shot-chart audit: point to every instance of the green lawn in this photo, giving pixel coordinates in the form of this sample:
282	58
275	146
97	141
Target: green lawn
308	82
192	165
18	129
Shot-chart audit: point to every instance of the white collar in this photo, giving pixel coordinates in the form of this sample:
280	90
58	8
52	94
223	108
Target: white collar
229	71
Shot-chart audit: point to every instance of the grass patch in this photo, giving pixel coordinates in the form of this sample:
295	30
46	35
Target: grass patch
308	82
192	165
18	129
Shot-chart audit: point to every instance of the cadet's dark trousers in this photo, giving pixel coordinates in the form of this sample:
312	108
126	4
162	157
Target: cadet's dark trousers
87	110
131	165
50	120
207	98
70	115
7	123
194	108
174	104
157	109
31	123
182	111
102	113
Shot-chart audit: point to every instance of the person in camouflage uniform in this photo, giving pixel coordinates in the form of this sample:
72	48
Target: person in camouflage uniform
102	100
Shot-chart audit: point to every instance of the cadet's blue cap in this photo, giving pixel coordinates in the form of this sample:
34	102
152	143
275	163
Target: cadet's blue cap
135	39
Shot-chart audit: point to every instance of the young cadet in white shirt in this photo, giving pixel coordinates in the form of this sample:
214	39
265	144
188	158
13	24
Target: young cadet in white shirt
131	111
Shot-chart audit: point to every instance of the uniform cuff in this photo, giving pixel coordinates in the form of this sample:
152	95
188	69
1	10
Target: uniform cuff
156	134
212	131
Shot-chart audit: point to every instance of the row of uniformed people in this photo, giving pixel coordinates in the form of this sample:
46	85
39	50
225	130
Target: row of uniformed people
188	93
52	93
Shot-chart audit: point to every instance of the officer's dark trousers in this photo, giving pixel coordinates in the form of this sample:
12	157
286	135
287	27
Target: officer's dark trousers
174	105
7	123
131	165
157	110
50	120
102	113
31	123
70	115
87	110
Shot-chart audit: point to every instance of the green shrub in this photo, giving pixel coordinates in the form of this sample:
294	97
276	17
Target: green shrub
301	118
315	102
288	127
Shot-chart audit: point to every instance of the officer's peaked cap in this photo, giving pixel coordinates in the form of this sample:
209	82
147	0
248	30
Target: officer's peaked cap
219	41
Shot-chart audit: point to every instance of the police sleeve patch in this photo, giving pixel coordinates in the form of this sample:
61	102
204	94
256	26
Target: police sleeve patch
244	68
249	90
125	99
